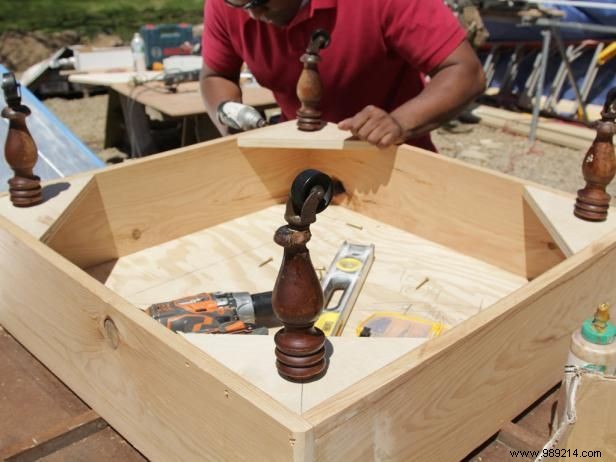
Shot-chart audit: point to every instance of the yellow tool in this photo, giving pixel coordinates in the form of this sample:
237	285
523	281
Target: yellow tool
608	53
392	324
346	273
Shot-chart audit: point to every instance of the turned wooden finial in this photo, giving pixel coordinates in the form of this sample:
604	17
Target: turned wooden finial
20	150
309	88
599	166
297	298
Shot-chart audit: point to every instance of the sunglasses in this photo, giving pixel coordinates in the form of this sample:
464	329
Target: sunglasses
252	4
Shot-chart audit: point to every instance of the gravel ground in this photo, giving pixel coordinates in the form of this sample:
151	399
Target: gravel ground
548	164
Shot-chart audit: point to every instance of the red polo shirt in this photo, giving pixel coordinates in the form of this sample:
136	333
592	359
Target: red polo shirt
379	51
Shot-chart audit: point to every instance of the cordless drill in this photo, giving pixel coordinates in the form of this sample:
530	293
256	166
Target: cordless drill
217	313
239	117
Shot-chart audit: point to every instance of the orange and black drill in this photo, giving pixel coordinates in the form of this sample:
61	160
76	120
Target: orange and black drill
217	313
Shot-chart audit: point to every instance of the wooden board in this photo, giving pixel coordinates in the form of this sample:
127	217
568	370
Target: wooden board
555	211
186	101
550	130
287	135
108	79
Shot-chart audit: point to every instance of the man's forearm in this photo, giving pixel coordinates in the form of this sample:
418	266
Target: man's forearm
449	91
215	90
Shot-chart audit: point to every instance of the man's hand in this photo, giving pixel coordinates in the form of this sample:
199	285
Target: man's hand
375	126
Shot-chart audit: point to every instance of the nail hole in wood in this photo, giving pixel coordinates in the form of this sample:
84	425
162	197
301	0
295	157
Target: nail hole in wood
111	333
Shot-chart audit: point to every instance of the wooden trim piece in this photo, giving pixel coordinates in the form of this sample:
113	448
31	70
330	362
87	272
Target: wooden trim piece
286	135
443	399
172	401
57	195
555	210
469	209
550	130
82	233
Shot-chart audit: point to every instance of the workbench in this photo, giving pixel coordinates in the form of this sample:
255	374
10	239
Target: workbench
131	109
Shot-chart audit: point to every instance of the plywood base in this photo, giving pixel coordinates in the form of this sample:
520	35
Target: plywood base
410	275
555	211
252	357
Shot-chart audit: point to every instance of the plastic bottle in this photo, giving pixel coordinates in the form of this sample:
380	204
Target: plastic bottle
137	46
594	345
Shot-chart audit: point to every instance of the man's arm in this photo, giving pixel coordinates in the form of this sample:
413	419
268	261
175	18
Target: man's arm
454	83
217	88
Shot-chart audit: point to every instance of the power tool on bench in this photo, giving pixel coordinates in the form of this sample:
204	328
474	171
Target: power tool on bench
217	313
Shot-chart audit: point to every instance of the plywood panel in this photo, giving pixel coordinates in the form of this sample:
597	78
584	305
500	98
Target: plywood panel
469	209
409	275
162	197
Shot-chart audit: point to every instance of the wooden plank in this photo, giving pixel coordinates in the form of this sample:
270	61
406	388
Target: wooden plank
440	401
162	197
31	397
520	438
165	396
287	135
50	440
550	130
57	196
187	101
82	232
555	211
446	201
108	79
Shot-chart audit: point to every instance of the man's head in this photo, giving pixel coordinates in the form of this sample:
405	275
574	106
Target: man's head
277	12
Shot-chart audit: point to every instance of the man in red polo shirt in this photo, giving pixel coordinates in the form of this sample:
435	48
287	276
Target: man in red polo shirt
372	72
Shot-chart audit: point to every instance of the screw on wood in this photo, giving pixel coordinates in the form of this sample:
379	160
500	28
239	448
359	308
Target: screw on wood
269	260
422	283
355	226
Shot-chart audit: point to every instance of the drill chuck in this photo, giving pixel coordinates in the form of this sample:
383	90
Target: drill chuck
239	116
